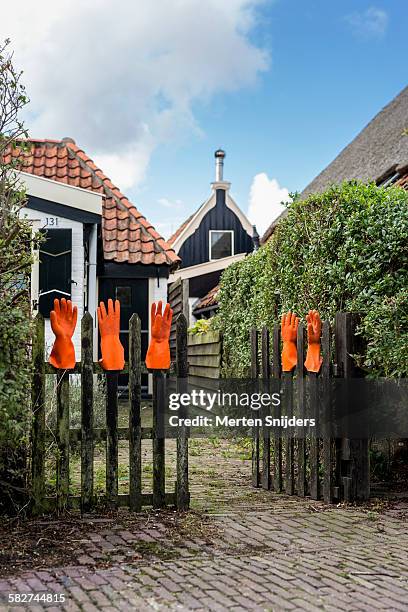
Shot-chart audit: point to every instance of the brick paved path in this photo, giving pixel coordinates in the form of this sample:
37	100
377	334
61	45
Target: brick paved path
284	557
244	549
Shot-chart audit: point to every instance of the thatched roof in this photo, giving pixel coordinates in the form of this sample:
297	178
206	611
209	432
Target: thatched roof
378	152
379	149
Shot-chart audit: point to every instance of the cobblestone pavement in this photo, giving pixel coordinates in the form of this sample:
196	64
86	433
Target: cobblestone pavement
284	557
241	549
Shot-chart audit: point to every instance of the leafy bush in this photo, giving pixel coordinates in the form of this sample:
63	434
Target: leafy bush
16	243
343	250
201	326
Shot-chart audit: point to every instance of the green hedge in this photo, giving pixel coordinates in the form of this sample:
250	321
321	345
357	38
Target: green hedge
15	359
16	245
343	250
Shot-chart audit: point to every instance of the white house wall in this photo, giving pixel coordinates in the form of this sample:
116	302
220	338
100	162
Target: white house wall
42	221
157	292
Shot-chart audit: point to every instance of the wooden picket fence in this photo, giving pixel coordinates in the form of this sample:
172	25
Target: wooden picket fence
87	435
332	469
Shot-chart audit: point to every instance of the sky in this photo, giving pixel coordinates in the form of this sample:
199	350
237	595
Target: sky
150	89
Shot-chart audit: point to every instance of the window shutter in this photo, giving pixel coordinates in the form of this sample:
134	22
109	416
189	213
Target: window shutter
55	268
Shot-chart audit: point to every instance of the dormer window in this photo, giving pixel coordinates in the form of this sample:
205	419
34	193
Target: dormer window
221	244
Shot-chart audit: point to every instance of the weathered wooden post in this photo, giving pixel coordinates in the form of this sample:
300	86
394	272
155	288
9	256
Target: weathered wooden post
62	439
354	463
266	453
135	429
87	448
326	413
182	485
277	441
314	456
255	430
112	378
301	398
287	408
159	481
38	424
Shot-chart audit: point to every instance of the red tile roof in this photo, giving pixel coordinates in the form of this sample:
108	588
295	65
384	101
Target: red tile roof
210	299
403	180
127	235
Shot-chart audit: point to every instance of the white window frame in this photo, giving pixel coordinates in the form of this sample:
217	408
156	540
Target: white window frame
232	243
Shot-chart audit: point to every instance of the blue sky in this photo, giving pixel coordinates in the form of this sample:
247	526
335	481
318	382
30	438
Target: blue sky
328	77
152	91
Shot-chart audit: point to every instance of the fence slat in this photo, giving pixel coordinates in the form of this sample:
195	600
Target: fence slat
135	429
38	425
87	472
353	454
266	452
112	437
203	372
62	485
314	456
159	498
277	440
182	485
326	413
255	429
301	396
287	409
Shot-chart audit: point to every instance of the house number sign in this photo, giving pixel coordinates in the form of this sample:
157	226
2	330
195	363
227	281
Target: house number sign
51	221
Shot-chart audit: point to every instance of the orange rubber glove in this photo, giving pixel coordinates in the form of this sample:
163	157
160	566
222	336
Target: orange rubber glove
63	323
289	327
113	354
158	354
314	329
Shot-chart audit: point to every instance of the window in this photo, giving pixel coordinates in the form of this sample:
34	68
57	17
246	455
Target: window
55	268
124	295
221	243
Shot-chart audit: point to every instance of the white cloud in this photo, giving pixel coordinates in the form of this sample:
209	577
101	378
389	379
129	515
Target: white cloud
128	167
168	225
371	23
122	77
170	203
265	200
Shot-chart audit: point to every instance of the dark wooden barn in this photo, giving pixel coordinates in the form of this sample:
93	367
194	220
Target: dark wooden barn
215	236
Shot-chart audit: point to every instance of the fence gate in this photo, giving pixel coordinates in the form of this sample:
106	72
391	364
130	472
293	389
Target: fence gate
332	469
87	435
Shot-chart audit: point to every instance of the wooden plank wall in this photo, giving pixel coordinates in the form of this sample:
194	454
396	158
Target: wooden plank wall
204	354
177	297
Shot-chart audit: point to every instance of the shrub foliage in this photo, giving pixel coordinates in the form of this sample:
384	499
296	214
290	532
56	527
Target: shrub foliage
343	250
16	243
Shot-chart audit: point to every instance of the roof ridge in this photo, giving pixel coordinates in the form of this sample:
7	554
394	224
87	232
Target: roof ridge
119	196
89	176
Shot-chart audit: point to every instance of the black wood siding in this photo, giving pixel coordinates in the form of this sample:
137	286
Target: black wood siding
195	249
